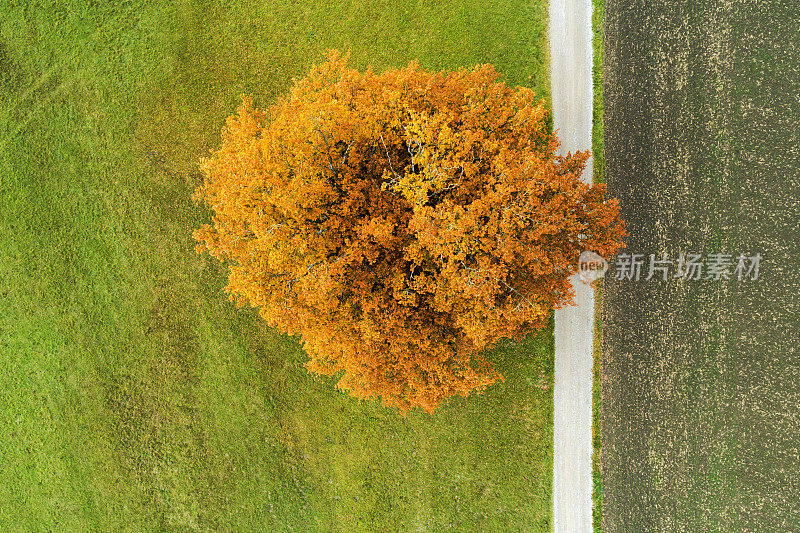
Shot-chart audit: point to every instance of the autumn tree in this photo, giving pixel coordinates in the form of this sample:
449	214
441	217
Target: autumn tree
401	223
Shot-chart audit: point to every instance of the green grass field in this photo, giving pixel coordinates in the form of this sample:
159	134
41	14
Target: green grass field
598	176
135	396
598	59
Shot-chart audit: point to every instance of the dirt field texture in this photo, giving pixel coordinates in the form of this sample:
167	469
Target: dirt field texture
700	410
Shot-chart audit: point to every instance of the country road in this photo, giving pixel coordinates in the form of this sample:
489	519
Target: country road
571	86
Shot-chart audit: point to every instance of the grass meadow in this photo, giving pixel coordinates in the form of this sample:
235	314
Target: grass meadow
598	176
135	396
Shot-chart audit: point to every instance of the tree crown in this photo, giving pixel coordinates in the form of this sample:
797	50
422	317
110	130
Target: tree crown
401	223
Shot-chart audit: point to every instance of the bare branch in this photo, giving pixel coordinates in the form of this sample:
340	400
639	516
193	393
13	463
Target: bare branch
523	298
327	147
477	271
396	175
344	157
271	228
388	158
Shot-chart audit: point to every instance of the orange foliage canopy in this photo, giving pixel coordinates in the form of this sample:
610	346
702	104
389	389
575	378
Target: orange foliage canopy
401	223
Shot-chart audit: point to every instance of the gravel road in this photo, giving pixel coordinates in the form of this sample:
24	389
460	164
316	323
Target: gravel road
571	86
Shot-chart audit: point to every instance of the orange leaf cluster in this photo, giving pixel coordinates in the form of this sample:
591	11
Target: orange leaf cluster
401	223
